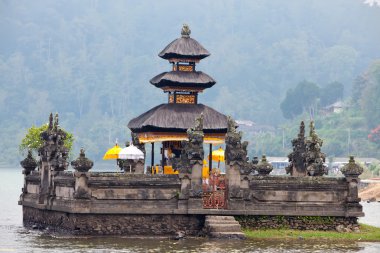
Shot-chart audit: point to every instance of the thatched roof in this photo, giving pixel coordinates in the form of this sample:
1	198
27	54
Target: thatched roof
178	118
184	47
183	79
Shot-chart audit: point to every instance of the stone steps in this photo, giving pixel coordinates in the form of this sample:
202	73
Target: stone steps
225	227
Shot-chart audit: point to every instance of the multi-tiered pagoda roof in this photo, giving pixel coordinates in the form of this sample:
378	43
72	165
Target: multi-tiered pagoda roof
169	121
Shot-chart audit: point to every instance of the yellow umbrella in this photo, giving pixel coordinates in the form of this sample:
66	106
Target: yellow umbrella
112	153
205	172
218	155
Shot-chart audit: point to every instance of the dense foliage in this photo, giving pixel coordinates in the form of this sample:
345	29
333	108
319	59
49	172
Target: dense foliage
91	61
33	141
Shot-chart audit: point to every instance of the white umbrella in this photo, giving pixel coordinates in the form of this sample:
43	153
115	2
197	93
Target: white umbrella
131	152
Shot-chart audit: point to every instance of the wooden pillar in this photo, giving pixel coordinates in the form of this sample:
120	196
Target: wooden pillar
210	160
163	156
152	159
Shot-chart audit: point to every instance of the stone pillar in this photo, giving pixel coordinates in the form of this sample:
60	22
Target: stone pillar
196	178
139	167
29	164
81	185
45	182
53	157
351	171
183	196
233	177
82	165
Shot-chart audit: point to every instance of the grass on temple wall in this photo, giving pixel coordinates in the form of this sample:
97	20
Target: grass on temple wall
367	233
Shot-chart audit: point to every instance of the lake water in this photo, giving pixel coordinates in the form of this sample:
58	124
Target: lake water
15	238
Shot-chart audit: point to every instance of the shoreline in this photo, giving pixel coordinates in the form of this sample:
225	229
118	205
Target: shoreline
367	234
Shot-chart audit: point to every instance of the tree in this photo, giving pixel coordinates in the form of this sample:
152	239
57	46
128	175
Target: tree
357	88
331	93
33	141
374	136
370	102
299	99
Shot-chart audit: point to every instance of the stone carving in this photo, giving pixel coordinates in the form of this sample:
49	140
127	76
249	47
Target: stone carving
236	150
53	150
29	163
82	163
185	32
264	167
192	150
136	143
297	157
255	160
314	158
352	169
307	158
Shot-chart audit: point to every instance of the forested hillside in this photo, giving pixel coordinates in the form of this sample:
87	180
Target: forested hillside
91	61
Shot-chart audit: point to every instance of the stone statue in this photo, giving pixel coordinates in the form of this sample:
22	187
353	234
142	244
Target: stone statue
82	163
314	158
264	167
307	158
297	157
236	150
56	122
53	149
29	163
192	150
231	125
50	122
185	32
136	142
352	169
198	124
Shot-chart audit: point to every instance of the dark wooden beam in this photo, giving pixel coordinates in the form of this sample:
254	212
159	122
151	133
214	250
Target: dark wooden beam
152	162
210	160
163	156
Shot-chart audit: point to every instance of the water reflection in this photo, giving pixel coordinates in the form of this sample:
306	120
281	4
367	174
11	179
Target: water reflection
42	242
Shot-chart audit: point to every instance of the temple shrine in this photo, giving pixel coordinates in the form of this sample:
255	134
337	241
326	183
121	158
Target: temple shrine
135	202
168	123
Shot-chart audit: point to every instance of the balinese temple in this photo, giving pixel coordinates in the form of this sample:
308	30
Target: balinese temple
167	123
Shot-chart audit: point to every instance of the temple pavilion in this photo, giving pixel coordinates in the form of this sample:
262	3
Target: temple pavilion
167	123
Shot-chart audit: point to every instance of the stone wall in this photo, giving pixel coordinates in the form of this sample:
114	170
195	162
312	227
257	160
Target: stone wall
113	224
346	224
96	203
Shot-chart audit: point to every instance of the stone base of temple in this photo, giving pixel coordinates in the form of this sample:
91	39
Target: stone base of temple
169	225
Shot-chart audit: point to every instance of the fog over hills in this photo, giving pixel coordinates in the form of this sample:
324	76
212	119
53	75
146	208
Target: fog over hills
91	61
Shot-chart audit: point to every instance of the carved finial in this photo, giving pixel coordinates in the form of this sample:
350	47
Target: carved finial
312	129
82	163
302	130
352	169
82	154
51	121
185	32
56	121
199	123
231	125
